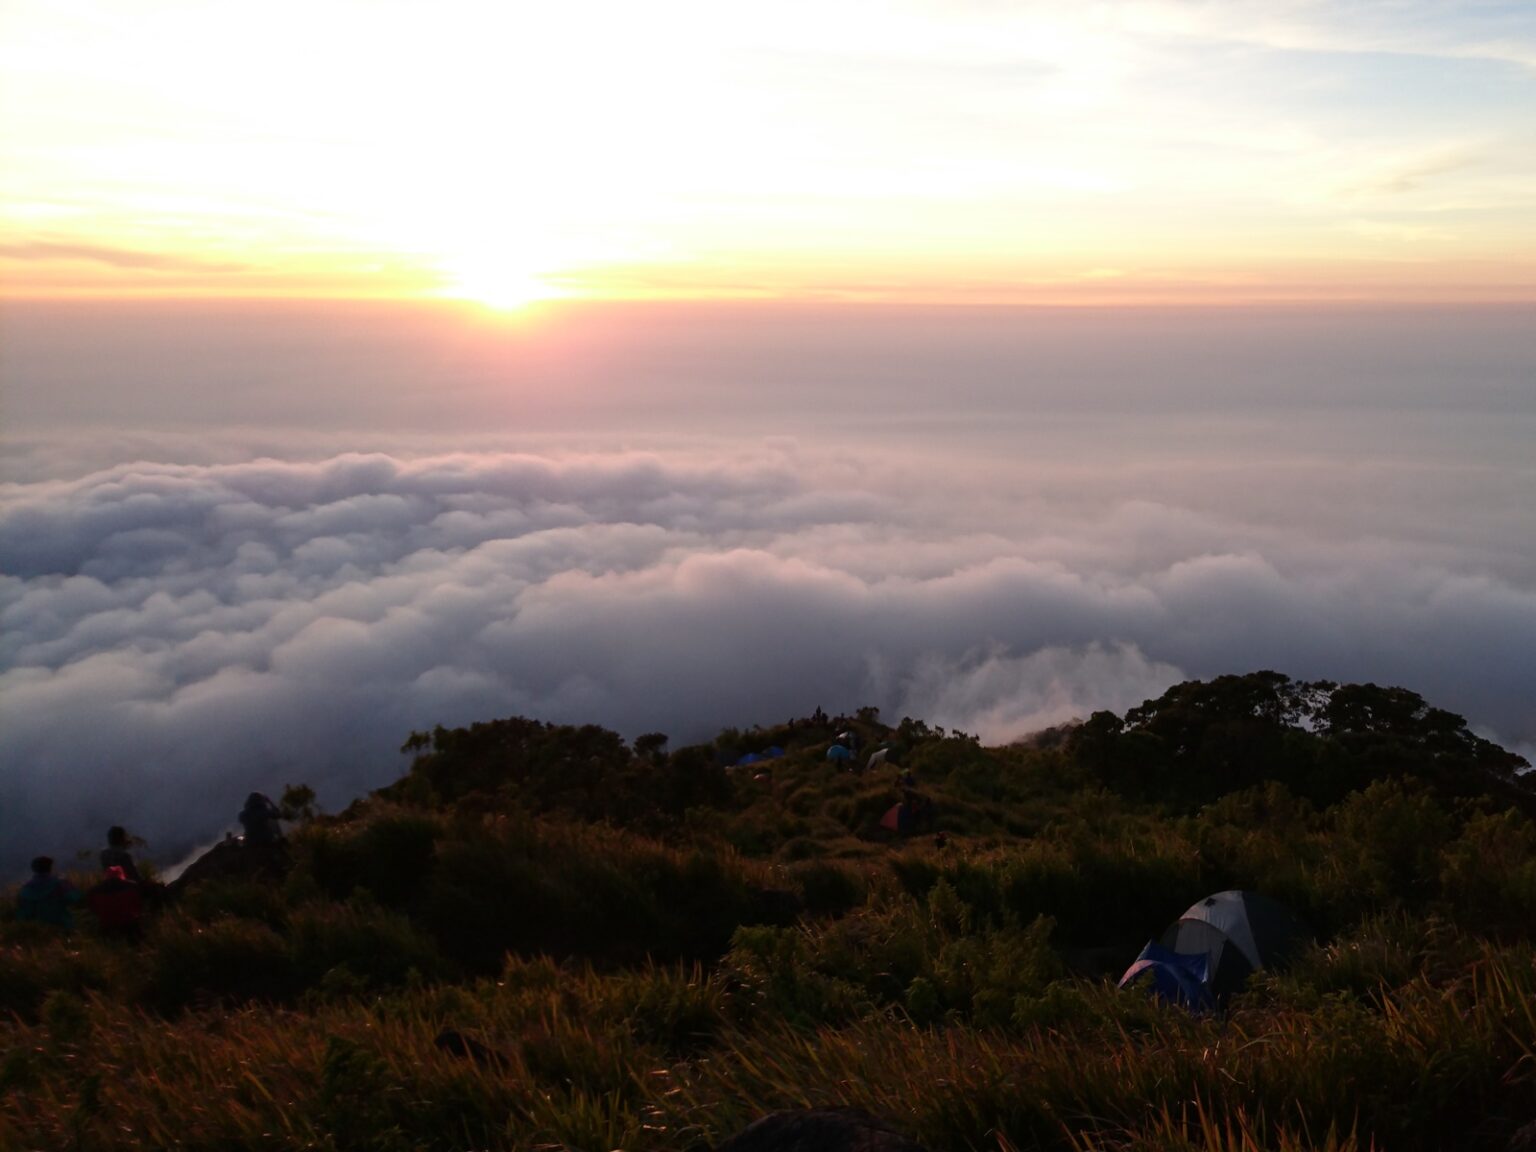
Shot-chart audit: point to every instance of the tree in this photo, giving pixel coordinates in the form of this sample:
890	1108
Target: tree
650	745
298	803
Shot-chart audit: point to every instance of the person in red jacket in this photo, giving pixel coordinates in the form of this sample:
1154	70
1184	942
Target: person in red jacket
117	903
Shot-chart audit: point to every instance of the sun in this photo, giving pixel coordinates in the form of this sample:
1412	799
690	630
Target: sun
498	285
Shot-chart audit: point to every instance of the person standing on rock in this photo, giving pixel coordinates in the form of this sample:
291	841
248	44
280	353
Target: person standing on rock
260	819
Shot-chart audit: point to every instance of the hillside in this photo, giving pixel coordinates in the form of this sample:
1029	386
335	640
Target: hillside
542	936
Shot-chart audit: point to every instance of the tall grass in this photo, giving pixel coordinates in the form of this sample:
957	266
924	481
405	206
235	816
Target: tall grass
657	983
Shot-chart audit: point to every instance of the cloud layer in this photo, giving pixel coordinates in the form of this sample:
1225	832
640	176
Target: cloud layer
173	636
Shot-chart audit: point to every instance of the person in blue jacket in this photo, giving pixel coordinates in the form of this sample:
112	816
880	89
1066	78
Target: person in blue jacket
47	898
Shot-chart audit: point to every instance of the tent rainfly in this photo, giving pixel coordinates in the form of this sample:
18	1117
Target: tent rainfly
1227	937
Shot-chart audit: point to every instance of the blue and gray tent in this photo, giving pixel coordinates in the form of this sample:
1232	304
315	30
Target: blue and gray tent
838	752
1228	936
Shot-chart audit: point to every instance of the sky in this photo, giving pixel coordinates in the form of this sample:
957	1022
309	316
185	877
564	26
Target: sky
681	366
1145	151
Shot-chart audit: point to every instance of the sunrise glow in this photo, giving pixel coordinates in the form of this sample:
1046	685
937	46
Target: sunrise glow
906	151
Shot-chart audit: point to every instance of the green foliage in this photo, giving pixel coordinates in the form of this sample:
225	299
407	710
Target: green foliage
229	959
359	1098
676	1010
1489	872
374	947
1391	836
66	1017
36	960
1202	739
390	854
645	950
830	888
297	803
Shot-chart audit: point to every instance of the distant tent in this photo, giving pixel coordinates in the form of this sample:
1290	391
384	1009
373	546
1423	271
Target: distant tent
749	758
896	818
838	752
877	758
1223	939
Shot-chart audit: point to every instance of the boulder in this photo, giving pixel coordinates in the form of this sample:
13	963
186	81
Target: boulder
233	857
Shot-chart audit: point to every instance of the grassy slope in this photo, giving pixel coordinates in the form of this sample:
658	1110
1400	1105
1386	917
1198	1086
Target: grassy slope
652	950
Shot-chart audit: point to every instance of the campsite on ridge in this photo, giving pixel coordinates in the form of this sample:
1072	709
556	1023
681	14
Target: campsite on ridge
542	933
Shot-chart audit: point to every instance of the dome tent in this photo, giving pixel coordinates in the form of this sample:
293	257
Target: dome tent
1240	932
1221	941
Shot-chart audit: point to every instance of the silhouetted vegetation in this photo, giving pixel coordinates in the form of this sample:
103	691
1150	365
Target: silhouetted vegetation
540	935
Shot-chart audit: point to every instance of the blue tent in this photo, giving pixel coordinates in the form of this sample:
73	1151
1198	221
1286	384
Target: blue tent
1174	977
838	752
1218	943
749	758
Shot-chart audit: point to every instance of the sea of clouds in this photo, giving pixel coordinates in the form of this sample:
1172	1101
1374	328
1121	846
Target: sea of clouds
247	546
173	636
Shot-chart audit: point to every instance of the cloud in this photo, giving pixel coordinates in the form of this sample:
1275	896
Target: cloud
175	635
1501	33
56	251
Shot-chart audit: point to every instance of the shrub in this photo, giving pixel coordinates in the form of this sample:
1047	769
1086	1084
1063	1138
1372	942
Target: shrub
675	1009
829	888
229	959
1488	873
1390	837
390	855
378	947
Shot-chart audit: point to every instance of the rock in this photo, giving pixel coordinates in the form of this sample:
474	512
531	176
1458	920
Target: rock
233	857
819	1130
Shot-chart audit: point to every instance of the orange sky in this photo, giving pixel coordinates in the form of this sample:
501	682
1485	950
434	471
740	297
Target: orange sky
1258	150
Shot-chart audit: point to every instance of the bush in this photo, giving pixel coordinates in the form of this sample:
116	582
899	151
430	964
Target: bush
1488	874
677	1010
390	855
829	888
377	947
228	959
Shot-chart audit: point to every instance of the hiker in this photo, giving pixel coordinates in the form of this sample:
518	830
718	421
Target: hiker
46	898
117	903
260	819
116	854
